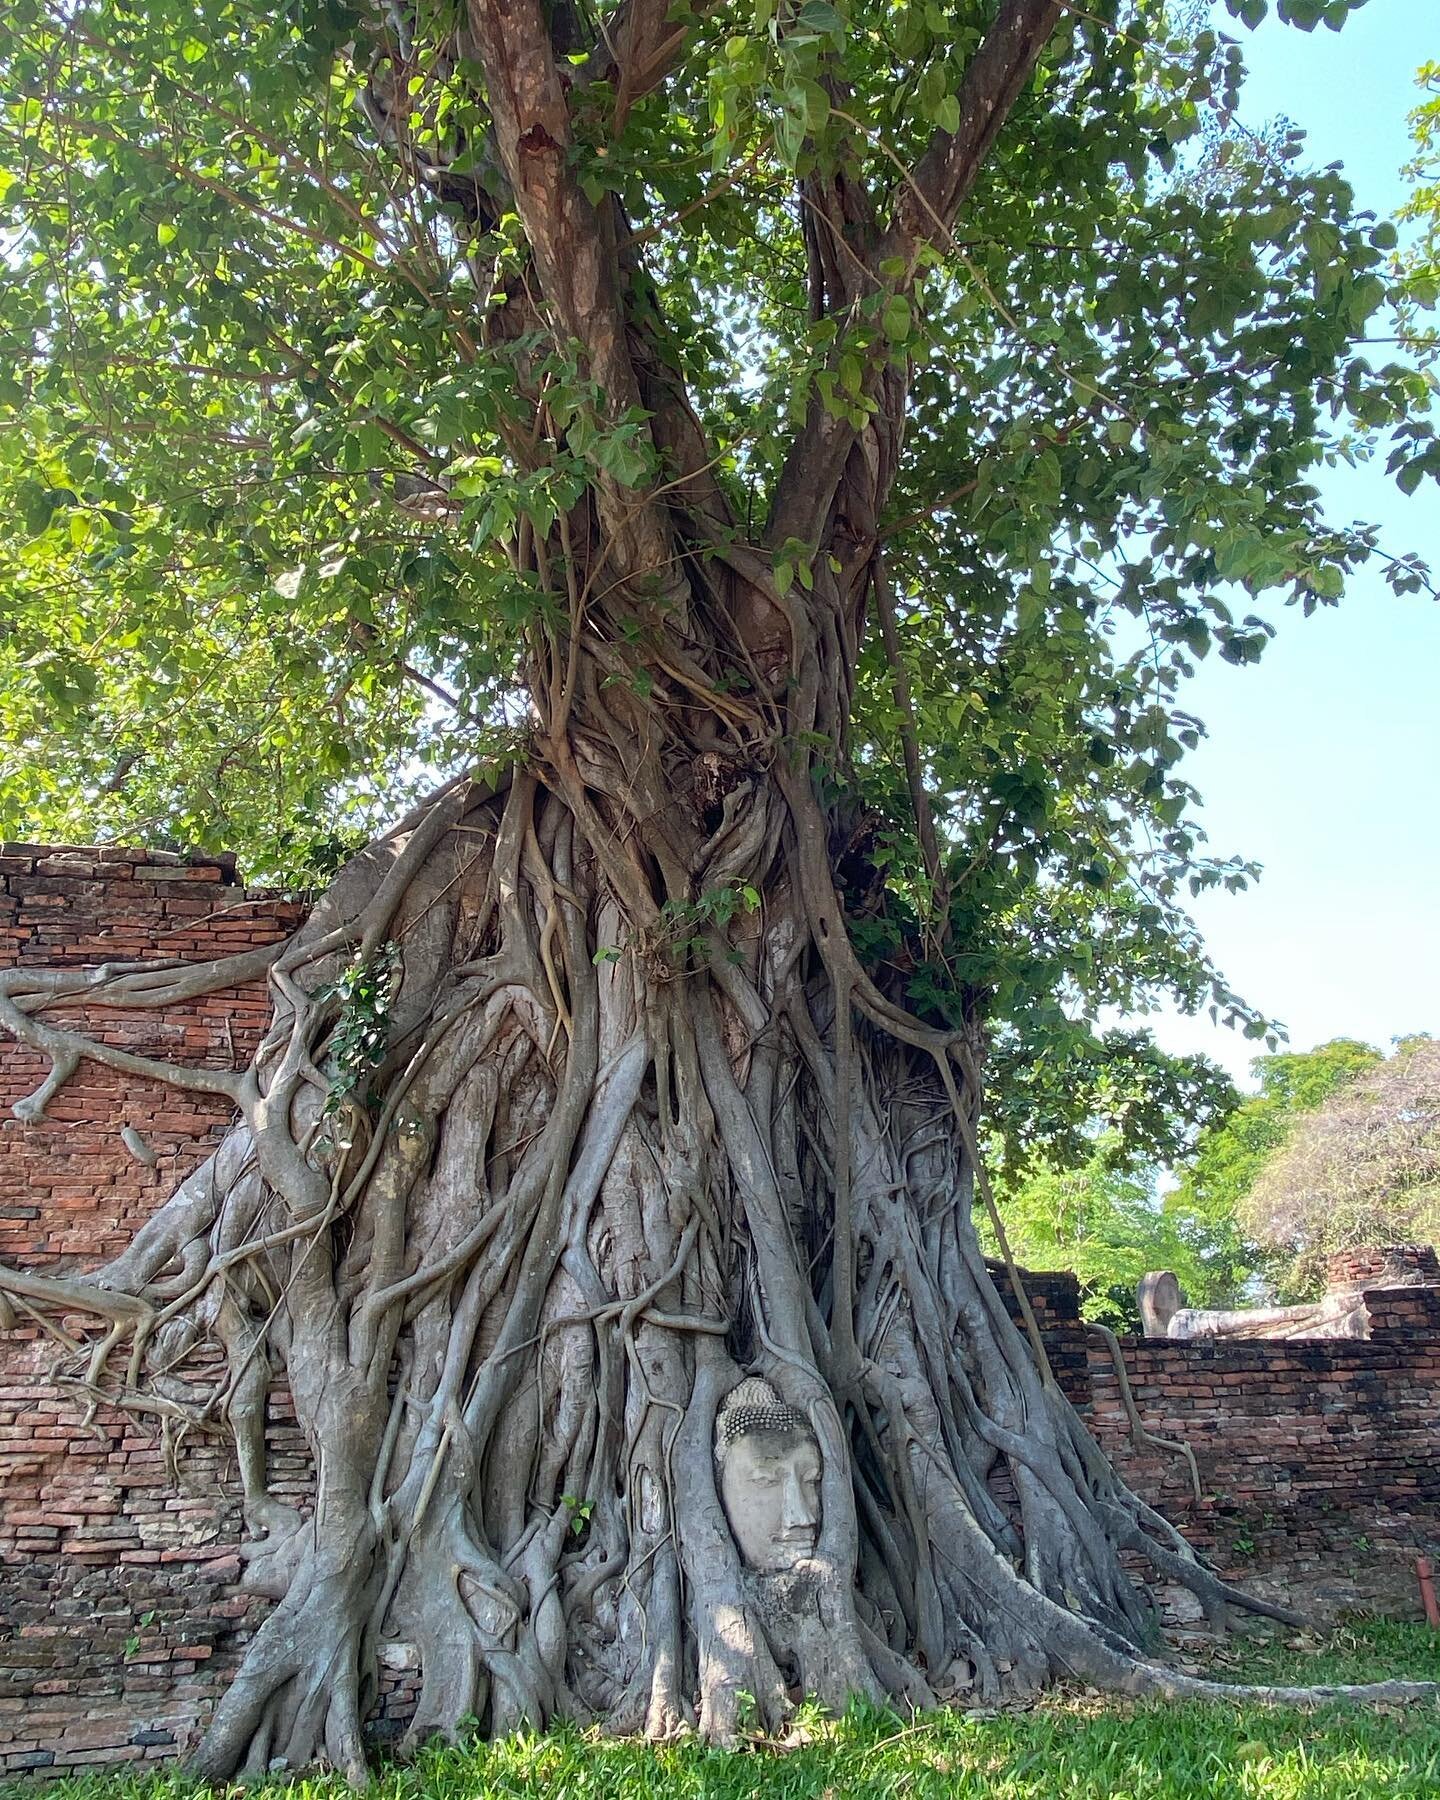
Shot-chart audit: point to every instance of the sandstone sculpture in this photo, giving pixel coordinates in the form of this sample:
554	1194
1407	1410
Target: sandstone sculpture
1334	1316
1161	1297
769	1466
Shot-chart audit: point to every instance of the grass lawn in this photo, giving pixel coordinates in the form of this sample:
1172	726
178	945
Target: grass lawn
1071	1747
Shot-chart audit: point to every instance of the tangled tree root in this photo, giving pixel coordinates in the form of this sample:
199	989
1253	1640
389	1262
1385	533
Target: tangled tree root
510	1278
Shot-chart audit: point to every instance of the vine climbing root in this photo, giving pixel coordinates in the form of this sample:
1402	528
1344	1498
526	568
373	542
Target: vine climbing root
511	1215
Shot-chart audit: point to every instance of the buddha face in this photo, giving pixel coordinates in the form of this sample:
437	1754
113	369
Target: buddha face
770	1489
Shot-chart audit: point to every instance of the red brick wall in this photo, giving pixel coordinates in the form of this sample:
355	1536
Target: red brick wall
1319	1460
120	1620
116	1595
1312	1455
1392	1266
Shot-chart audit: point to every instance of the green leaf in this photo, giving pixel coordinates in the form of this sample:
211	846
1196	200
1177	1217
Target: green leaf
896	318
823	20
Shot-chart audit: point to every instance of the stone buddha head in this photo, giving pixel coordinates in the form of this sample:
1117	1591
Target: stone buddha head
768	1462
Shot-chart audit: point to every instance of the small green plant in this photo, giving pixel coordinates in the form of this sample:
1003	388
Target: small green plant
580	1511
689	924
366	992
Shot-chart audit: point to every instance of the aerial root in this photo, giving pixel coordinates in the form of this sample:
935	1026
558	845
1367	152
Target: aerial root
1173	1684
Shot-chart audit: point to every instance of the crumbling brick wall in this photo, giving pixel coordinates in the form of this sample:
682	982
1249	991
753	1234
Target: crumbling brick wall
1319	1460
120	1614
1312	1455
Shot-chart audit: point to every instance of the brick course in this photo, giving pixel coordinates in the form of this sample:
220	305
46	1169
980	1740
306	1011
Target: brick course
120	1618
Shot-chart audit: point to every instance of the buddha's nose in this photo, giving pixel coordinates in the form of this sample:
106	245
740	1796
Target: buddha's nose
799	1510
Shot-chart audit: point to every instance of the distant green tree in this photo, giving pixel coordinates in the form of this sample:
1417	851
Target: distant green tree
1103	1220
1363	1167
1208	1200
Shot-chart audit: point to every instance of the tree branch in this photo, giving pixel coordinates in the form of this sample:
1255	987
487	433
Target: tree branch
639	48
572	242
926	203
914	774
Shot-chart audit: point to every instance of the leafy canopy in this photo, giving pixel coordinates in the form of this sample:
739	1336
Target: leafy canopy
260	484
1339	1147
1417	450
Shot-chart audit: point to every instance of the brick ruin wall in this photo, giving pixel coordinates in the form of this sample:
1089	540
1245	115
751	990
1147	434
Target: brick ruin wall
1319	1459
121	1617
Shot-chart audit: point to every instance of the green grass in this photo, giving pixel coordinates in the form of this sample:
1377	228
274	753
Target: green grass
1074	1747
1372	1650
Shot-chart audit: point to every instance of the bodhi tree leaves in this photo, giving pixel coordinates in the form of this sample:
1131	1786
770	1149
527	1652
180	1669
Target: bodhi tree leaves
262	474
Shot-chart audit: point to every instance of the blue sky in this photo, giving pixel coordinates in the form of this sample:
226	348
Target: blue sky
1322	758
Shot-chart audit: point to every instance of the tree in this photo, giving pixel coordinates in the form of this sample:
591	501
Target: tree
1216	1186
1103	1221
781	464
1361	1167
1416	452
